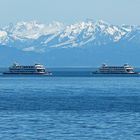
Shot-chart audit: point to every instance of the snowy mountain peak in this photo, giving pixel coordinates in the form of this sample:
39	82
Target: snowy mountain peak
32	29
101	22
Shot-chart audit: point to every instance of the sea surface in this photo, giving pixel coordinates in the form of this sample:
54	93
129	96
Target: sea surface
69	108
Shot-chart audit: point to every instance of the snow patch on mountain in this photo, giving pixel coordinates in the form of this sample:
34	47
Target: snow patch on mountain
3	37
29	49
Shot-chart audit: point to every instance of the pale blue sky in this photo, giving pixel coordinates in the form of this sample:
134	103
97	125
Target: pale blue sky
70	11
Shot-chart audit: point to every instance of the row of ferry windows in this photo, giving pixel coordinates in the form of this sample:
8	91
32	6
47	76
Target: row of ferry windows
112	70
38	70
24	67
113	67
28	67
21	71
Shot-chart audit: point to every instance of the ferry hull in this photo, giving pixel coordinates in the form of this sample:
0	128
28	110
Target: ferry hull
39	74
116	75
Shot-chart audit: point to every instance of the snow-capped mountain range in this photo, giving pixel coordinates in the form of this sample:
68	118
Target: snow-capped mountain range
38	37
85	43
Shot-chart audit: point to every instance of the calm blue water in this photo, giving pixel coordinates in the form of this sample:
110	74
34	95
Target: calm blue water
69	108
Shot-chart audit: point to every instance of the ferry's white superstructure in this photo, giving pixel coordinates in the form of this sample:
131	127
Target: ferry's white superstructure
125	69
20	69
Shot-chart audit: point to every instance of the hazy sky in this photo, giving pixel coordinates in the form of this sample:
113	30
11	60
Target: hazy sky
70	11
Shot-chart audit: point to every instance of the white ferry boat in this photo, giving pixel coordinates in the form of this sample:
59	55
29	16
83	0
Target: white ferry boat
38	69
125	69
